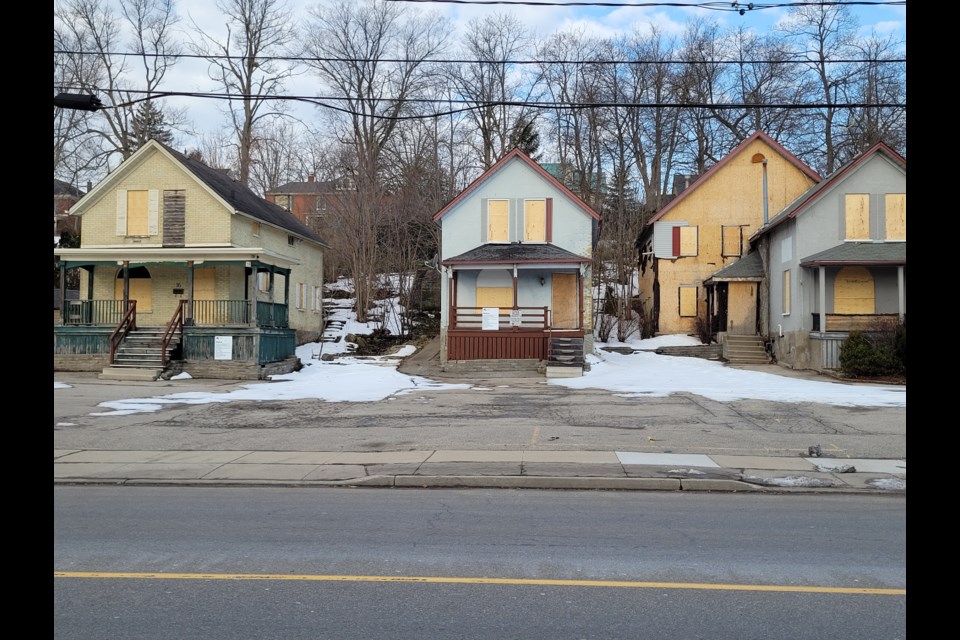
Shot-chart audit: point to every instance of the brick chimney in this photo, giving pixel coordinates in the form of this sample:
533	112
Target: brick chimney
310	177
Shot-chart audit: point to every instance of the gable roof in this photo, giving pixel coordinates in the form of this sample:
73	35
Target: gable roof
61	188
759	135
811	195
232	193
749	267
500	164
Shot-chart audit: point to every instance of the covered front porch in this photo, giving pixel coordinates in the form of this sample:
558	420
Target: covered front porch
197	301
522	309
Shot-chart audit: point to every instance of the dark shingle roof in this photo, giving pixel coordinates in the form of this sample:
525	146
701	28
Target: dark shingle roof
860	253
61	188
306	187
517	252
749	266
243	199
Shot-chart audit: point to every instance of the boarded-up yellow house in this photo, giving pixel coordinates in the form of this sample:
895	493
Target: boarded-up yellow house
705	229
181	263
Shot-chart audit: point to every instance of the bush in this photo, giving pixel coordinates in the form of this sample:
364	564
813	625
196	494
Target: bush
703	330
875	353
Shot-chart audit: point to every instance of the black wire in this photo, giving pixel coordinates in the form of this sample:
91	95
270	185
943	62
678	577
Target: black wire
459	61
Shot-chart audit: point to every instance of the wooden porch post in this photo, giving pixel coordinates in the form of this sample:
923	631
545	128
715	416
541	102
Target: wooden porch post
63	291
514	286
822	295
189	319
453	301
580	296
126	287
901	294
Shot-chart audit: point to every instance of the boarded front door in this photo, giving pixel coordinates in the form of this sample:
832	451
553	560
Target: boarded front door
565	301
742	309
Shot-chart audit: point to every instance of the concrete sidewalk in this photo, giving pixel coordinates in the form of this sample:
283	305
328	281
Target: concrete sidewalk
621	470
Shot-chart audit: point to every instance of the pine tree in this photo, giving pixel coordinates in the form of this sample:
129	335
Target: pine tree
149	123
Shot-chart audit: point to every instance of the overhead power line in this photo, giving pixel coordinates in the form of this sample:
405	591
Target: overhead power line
604	61
738	7
471	105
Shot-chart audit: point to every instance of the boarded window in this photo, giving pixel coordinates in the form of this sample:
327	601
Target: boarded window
853	291
137	213
685	241
495	297
255	228
896	214
498	214
301	295
263	280
535	220
688	302
786	292
732	240
141	289
174	215
857	216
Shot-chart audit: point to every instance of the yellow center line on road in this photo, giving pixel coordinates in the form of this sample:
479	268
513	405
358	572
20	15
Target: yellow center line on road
504	581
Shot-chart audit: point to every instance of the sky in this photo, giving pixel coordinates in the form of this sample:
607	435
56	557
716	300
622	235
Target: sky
349	378
205	115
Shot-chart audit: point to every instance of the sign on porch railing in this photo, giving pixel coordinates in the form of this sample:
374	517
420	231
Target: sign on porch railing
490	319
516	317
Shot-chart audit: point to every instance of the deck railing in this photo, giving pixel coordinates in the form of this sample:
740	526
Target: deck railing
205	313
507	319
855	321
127	324
103	312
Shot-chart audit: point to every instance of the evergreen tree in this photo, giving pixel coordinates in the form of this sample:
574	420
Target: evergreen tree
524	136
149	123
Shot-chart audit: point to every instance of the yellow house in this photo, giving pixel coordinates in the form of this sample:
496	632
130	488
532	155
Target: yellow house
183	266
705	229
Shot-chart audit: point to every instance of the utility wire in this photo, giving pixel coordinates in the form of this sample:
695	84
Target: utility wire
131	54
473	105
738	7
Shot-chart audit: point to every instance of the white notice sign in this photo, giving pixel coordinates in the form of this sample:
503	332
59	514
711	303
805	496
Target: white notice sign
223	347
515	317
491	318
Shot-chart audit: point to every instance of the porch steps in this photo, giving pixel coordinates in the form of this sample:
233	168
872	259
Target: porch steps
745	350
515	368
139	356
565	358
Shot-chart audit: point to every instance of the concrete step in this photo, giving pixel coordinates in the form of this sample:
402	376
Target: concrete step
124	373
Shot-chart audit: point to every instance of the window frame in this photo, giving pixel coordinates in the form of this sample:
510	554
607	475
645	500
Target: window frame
724	253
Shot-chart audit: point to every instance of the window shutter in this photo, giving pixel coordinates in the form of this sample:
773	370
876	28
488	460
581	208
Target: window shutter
549	221
153	212
483	220
121	212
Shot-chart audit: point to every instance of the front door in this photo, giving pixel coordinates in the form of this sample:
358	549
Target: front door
565	302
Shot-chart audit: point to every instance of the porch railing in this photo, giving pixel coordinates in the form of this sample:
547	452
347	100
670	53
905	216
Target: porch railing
221	312
520	318
205	313
79	312
855	321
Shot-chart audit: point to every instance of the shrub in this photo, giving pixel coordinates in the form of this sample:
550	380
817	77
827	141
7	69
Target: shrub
875	353
703	330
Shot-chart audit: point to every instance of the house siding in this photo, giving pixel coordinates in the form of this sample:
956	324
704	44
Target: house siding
731	196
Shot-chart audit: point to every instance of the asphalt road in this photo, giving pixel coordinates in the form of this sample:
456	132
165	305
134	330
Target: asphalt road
500	413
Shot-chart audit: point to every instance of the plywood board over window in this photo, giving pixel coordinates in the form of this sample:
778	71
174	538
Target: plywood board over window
688	302
857	208
853	291
535	220
732	240
138	212
786	292
685	241
895	208
141	288
498	215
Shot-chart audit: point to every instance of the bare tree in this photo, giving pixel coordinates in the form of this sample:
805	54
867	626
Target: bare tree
374	57
491	80
90	37
879	79
825	34
242	63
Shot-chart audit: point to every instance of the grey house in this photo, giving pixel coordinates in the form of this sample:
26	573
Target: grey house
835	260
